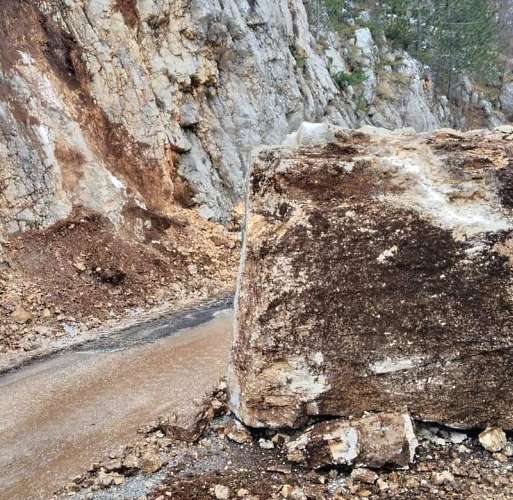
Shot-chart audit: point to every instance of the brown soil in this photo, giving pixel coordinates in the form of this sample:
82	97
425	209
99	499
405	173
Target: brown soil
81	272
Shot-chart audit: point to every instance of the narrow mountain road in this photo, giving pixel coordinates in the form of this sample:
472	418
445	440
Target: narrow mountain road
60	414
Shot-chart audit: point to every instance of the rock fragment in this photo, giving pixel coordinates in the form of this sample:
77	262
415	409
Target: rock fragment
236	432
221	492
21	315
131	462
364	475
151	462
265	444
372	441
187	427
493	439
444	477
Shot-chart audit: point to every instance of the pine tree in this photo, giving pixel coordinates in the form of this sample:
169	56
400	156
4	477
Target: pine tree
452	36
464	38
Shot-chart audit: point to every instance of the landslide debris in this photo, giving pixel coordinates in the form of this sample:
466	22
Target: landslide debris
225	460
82	274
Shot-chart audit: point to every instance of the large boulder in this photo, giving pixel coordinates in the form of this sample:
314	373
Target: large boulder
376	276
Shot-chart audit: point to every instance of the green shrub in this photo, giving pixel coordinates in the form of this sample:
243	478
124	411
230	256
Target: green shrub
344	80
300	61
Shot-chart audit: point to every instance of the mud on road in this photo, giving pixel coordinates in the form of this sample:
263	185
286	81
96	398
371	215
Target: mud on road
59	414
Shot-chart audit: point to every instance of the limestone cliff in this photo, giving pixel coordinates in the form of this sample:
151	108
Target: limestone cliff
116	104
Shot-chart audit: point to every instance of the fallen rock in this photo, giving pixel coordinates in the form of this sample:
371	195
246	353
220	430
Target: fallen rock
188	427
112	465
375	275
364	475
493	439
118	479
292	492
21	315
235	431
444	477
104	480
508	450
151	462
373	441
265	444
221	492
131	462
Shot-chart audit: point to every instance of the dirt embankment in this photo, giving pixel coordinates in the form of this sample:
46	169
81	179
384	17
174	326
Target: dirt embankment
81	274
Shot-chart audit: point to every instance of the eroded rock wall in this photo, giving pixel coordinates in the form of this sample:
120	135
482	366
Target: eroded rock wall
376	276
109	104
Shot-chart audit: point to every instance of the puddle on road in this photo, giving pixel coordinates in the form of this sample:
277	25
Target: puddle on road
59	415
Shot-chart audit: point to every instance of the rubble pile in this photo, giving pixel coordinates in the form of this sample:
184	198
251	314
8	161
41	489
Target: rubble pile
224	459
82	274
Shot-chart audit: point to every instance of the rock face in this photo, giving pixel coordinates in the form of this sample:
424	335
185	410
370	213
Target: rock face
376	276
110	104
373	441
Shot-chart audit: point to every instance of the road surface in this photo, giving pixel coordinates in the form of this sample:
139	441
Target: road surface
60	414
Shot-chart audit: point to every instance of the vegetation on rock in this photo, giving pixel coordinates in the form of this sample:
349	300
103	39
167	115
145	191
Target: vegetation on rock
451	36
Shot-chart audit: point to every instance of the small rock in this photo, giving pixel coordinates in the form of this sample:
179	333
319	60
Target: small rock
27	345
500	457
151	462
444	477
265	444
372	441
112	465
280	439
457	437
69	329
221	492
104	480
508	450
238	433
286	490
241	492
21	315
382	484
364	475
79	265
189	115
188	428
131	462
298	494
44	331
118	479
281	469
411	483
493	439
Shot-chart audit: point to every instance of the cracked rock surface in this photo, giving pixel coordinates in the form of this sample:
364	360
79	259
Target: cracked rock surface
108	103
376	276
